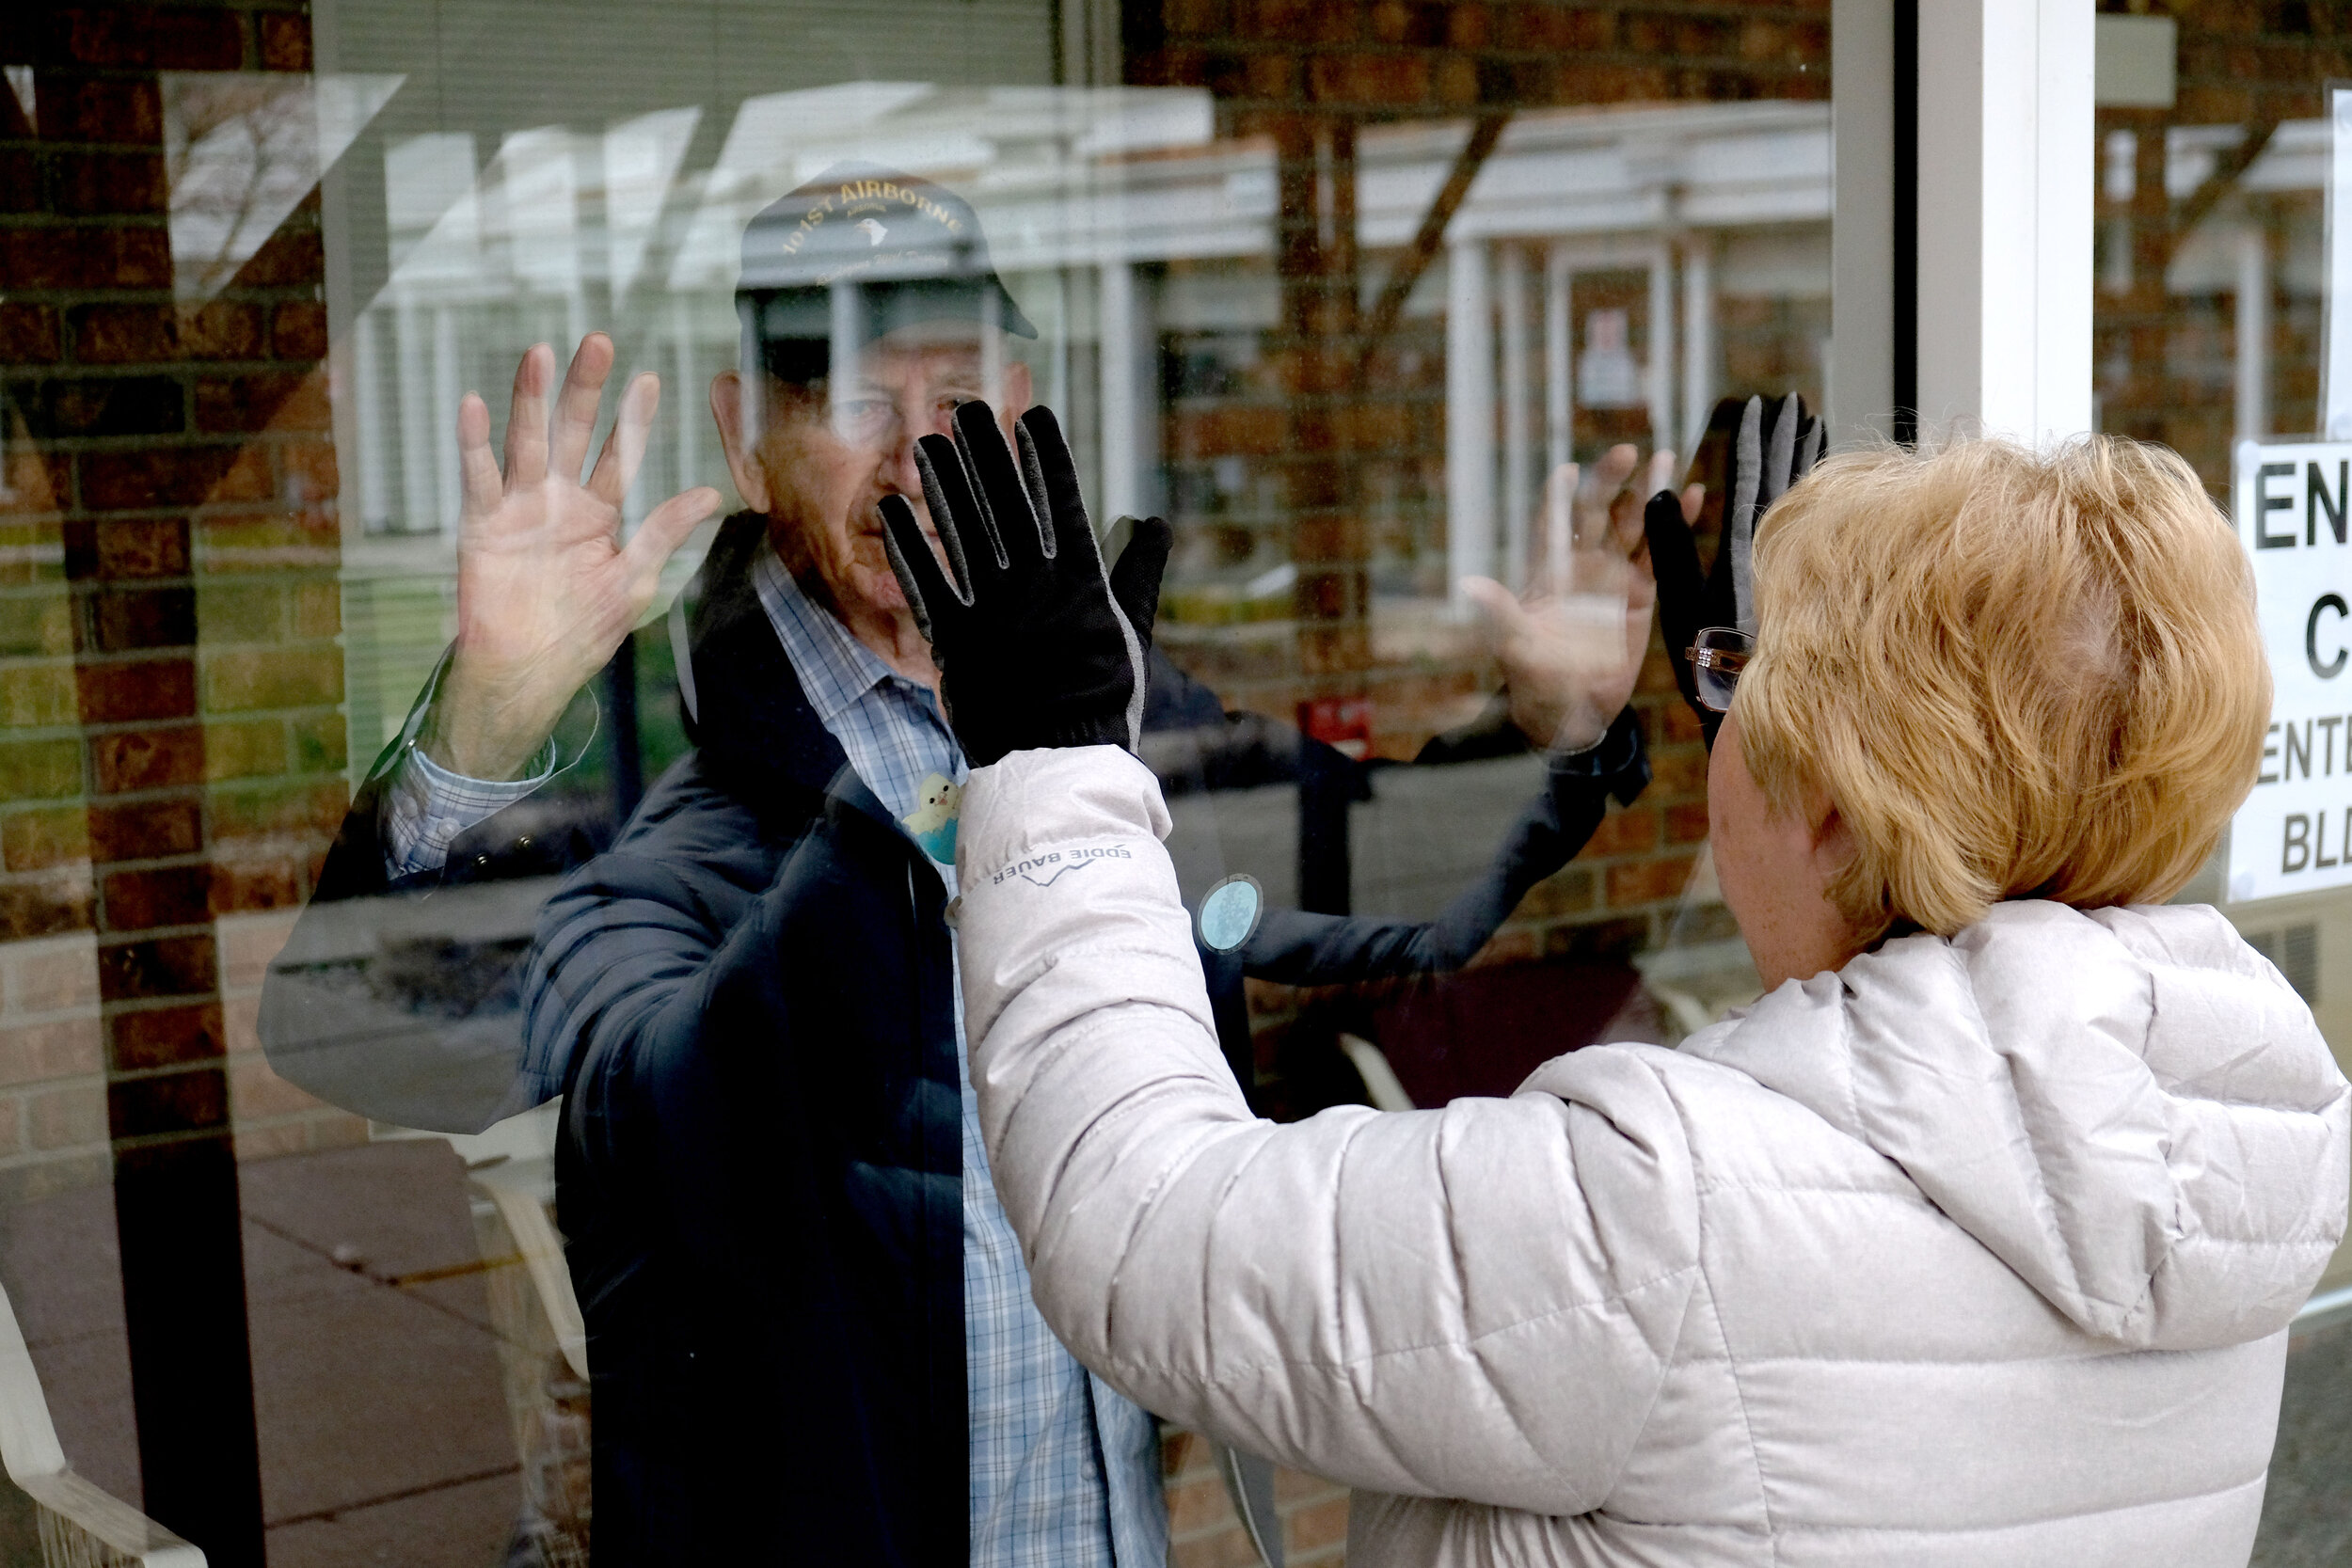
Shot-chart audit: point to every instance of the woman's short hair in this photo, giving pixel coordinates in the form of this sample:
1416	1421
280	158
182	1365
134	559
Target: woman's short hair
2018	674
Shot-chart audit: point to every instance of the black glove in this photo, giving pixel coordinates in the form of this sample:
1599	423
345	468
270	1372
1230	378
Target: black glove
1771	446
1036	645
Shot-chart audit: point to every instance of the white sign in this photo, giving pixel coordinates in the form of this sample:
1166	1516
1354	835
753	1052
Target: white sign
2293	503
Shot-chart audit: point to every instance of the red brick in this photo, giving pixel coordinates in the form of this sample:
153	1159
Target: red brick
185	1101
242	886
28	335
1316	1525
20	182
167	1037
299	330
285	41
138	334
181	476
125	256
308	471
1653	882
1686	824
1624	833
191	38
1679	723
167	37
145	830
292	255
123	110
1197	1505
1677	772
126	621
148	690
277	400
1228	1547
89	184
1384	80
146	759
126	550
144	900
161	966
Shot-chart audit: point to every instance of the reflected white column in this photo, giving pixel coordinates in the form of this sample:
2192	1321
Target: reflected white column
690	400
1699	338
2253	332
848	339
1058	355
367	396
1117	319
1662	347
1559	377
415	417
1469	416
1517	440
992	350
447	385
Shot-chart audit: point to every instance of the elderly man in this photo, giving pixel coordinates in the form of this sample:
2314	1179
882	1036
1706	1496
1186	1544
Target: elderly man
810	1330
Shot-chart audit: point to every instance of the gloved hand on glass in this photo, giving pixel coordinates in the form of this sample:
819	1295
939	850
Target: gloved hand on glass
1710	621
1037	645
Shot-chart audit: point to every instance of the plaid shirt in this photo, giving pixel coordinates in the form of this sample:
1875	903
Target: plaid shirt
1064	1470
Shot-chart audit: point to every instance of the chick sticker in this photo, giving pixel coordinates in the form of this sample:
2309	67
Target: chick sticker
932	823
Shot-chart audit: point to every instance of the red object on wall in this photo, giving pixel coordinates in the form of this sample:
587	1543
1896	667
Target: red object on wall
1342	723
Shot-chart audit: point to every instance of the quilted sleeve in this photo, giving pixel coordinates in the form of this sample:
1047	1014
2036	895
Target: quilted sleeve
1475	1303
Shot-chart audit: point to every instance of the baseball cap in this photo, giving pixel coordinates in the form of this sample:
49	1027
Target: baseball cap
865	250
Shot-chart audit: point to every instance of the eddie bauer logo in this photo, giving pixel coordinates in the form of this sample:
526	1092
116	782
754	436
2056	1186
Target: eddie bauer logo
1061	861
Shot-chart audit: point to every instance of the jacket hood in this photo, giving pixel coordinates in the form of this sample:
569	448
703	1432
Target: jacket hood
2130	1107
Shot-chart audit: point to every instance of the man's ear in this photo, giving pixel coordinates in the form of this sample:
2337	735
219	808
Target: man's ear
736	408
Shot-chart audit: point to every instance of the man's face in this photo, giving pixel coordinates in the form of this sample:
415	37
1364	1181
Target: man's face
833	454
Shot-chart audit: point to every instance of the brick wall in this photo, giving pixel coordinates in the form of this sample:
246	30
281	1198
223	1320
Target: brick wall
2165	359
171	736
1333	439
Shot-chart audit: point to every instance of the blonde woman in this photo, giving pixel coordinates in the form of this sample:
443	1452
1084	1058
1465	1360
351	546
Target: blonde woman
1975	1241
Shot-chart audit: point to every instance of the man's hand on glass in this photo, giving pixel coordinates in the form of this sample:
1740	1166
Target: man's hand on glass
1571	648
546	588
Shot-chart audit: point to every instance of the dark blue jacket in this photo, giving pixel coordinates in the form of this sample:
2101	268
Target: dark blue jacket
759	1172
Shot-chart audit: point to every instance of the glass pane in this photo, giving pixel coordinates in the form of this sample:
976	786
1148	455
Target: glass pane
2209	317
338	1161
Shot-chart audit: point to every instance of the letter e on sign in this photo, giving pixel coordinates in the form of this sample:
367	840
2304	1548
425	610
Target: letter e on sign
2292	504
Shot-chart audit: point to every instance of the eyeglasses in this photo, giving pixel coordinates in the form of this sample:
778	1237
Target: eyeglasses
1717	656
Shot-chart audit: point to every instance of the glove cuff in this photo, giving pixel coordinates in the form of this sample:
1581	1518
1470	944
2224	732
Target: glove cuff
1070	730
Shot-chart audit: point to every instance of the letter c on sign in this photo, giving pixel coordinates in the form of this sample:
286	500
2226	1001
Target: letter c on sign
2334	667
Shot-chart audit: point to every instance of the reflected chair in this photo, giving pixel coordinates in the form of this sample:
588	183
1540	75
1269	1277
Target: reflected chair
80	1526
543	1357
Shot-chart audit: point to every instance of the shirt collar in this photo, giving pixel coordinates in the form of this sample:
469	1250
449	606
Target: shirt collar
835	669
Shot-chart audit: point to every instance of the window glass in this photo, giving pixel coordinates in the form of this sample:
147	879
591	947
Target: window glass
2210	319
292	1030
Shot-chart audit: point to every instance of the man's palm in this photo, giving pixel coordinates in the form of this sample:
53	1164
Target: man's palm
546	589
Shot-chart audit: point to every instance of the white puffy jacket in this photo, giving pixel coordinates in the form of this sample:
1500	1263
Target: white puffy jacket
1978	1251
